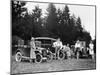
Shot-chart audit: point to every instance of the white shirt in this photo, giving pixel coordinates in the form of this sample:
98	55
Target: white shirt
32	43
77	45
57	44
32	53
91	46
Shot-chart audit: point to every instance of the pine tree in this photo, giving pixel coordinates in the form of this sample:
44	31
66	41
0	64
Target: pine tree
51	21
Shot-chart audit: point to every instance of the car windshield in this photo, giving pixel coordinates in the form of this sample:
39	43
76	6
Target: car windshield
44	42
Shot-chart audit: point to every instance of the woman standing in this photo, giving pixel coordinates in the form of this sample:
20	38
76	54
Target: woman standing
32	52
91	51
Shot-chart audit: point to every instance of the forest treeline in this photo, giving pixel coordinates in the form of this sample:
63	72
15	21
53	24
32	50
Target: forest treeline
57	23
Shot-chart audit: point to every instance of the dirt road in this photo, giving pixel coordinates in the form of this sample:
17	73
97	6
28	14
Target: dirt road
55	65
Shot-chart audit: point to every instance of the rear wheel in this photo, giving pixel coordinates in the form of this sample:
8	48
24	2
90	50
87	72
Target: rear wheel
18	57
38	58
61	55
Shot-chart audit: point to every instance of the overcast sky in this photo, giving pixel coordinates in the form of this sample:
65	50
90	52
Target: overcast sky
86	13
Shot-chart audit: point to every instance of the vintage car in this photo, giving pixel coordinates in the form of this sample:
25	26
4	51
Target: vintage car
43	50
47	43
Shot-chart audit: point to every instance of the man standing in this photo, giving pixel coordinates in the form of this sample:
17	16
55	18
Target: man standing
57	45
91	51
77	48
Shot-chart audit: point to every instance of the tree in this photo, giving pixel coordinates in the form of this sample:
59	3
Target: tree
81	34
64	24
79	25
66	15
31	24
17	9
28	25
36	14
51	21
72	28
59	22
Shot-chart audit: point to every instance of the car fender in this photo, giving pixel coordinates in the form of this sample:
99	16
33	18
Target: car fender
20	50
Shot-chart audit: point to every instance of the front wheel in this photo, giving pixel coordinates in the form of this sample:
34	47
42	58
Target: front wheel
49	57
18	57
38	58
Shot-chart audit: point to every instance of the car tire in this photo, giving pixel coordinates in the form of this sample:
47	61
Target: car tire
61	55
18	57
49	57
38	58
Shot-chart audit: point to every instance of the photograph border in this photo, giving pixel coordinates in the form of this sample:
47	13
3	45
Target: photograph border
53	3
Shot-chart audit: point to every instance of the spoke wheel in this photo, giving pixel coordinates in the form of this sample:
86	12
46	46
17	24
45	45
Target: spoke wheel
38	58
49	57
61	55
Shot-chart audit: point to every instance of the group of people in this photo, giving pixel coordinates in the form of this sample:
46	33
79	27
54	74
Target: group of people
90	49
58	45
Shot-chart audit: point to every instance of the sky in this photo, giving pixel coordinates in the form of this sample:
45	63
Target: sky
86	13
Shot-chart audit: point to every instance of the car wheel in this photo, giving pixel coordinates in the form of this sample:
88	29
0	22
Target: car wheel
61	55
49	57
18	57
38	58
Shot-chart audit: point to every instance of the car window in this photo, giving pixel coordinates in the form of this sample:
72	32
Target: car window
38	43
44	41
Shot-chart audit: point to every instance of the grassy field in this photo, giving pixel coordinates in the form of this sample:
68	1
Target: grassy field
55	65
